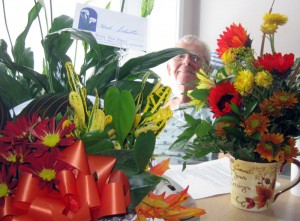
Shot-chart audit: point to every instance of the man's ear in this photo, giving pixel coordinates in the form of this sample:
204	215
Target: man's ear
168	69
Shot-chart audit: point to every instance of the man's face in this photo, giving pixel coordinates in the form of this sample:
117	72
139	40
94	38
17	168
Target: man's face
183	68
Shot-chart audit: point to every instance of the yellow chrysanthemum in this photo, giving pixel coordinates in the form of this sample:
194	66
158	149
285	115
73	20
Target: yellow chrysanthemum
276	18
263	79
244	82
205	82
229	56
269	28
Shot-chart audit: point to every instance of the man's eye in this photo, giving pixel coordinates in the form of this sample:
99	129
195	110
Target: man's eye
195	58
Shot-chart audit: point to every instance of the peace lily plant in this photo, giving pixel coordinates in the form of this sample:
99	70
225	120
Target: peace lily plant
65	157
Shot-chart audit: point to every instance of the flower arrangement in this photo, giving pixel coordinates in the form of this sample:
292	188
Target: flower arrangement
67	158
254	100
90	163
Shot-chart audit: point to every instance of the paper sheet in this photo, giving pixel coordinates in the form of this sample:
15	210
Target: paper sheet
204	179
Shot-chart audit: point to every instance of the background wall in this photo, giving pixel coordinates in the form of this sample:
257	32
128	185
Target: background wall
215	15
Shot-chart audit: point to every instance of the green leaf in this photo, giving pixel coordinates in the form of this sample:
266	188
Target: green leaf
146	7
96	141
183	139
227	119
200	94
11	90
19	48
149	60
250	109
140	185
4	114
122	108
143	149
191	120
235	109
233	131
204	128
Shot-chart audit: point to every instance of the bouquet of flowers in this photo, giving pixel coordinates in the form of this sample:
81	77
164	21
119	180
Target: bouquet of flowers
90	163
254	100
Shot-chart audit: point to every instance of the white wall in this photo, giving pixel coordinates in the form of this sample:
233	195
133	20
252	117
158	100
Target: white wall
215	15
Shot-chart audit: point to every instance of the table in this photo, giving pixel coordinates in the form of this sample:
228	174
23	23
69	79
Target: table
286	207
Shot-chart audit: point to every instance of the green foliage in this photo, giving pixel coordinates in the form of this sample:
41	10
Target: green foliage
146	7
122	109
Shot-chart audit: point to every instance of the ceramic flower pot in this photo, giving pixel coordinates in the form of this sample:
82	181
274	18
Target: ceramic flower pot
254	184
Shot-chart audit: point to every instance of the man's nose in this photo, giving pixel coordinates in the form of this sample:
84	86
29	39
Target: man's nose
187	60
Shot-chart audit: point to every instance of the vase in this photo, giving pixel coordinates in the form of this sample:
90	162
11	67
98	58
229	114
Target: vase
294	171
254	186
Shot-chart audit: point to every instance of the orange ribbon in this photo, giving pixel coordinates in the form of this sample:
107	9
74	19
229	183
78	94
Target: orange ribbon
81	196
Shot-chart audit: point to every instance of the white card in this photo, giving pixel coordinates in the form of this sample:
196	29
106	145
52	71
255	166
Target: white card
112	28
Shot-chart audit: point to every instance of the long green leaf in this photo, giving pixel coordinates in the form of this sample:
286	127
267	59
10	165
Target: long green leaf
149	61
19	48
11	90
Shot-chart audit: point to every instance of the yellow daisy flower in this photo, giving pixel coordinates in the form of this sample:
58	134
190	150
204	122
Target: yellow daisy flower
263	79
276	18
244	82
269	28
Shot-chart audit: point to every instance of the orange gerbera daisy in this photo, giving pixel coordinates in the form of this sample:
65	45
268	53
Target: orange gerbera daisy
289	151
284	99
219	129
268	146
268	109
256	123
234	37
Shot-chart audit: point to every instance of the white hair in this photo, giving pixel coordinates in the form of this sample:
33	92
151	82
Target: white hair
202	46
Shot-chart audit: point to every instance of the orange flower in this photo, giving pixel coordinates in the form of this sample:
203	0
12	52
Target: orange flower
169	208
234	37
284	99
289	151
268	146
160	168
268	109
256	123
219	129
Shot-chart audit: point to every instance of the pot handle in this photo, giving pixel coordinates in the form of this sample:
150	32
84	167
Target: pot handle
290	184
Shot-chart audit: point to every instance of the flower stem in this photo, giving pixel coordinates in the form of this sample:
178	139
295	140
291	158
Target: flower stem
264	35
6	26
272	43
123	4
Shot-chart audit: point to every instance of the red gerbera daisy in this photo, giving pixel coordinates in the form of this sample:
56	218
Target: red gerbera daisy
7	184
234	37
14	156
277	64
20	129
49	137
45	168
220	98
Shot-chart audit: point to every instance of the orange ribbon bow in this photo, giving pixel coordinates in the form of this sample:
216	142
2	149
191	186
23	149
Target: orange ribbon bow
80	197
